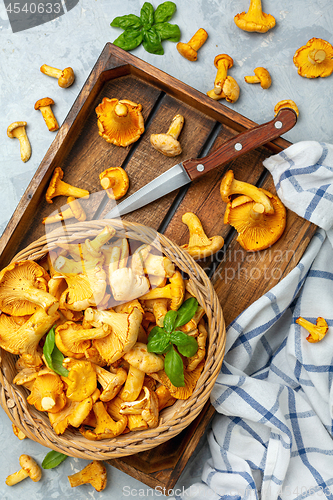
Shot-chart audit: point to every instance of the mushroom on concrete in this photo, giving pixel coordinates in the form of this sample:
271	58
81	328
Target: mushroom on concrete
190	50
262	76
168	143
65	77
17	130
29	468
230	91
44	105
94	474
222	62
254	19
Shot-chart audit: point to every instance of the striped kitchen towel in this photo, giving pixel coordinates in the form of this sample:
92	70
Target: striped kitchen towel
271	438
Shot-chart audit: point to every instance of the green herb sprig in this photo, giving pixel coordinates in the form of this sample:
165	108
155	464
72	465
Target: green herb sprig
150	29
53	356
53	459
161	340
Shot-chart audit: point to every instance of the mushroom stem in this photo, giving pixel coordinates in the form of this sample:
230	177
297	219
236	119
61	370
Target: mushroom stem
317	56
176	126
222	62
49	118
67	190
107	183
74	210
48	70
19	133
197	234
252	79
16	477
121	110
230	186
39	297
198	39
95	245
189	50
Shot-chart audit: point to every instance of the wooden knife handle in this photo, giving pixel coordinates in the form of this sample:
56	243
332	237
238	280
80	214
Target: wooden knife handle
285	119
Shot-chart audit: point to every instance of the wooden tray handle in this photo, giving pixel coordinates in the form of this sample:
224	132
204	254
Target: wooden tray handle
285	119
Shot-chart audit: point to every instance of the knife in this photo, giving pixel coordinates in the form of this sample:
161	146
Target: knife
191	169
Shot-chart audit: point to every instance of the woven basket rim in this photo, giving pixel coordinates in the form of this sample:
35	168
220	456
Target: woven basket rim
36	425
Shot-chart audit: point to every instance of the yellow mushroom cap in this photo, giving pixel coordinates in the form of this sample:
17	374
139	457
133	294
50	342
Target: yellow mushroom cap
94	474
256	229
287	103
119	122
315	59
254	19
23	288
115	181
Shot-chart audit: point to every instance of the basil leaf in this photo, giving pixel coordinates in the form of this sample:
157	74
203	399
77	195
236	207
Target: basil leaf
168	31
128	21
164	12
53	459
169	320
159	343
186	311
53	356
186	345
129	39
152	41
174	368
147	14
154	331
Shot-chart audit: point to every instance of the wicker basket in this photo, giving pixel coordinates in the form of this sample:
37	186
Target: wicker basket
174	419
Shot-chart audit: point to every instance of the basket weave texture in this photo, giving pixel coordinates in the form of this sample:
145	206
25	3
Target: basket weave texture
174	419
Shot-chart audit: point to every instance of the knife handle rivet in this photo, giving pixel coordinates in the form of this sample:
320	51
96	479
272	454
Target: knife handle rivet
278	124
200	167
238	146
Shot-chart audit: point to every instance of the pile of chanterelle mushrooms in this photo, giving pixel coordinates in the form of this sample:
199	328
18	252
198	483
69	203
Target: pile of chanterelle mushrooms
98	375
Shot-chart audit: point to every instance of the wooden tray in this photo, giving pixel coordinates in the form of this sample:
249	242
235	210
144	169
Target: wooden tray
238	277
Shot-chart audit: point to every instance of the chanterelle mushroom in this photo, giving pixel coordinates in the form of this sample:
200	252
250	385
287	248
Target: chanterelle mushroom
262	76
190	49
72	339
94	474
147	407
115	181
107	426
317	331
29	468
174	290
287	103
119	122
254	19
314	59
23	288
199	245
222	62
126	285
58	187
74	210
256	229
230	91
65	77
140	358
44	105
47	392
229	186
24	339
17	130
168	143
124	333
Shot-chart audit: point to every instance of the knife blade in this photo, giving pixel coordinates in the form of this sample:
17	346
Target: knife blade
188	170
